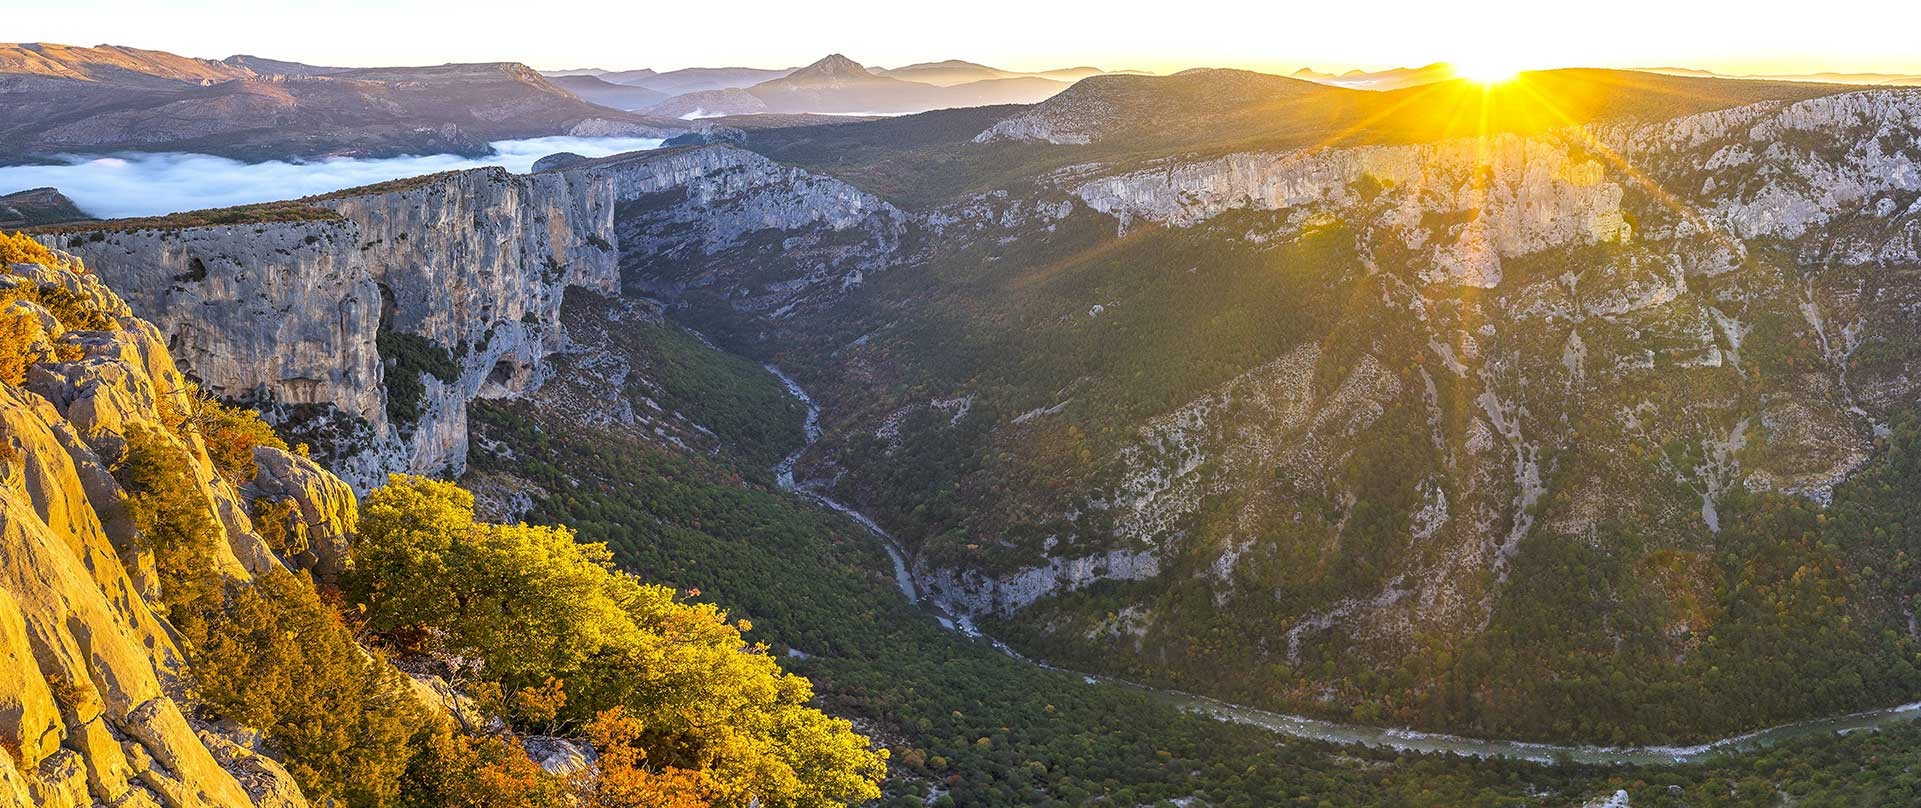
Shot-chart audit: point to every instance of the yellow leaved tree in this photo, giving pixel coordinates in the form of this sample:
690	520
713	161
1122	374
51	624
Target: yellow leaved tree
685	694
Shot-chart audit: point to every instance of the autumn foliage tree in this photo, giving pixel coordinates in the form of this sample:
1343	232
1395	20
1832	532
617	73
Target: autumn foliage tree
623	778
230	434
19	248
673	681
464	770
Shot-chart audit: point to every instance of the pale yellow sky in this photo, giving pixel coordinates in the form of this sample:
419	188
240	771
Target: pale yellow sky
1758	36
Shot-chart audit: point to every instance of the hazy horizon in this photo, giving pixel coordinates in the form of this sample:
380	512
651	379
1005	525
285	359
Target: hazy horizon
1749	39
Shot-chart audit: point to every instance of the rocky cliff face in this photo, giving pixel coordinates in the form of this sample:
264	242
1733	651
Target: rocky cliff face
91	699
1649	258
290	314
1770	178
1504	197
693	217
740	191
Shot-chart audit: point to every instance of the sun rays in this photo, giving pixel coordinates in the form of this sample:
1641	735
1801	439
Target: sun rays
1487	70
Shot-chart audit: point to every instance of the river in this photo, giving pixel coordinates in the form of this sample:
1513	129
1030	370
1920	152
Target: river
1314	728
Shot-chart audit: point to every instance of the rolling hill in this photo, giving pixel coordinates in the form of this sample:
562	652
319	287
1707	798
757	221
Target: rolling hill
596	90
91	100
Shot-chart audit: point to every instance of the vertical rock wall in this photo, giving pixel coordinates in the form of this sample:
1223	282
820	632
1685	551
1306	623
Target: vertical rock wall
288	314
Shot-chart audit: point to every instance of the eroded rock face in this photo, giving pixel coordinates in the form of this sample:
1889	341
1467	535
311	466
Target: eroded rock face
1564	336
288	314
89	710
559	756
1467	203
971	592
743	190
325	515
686	216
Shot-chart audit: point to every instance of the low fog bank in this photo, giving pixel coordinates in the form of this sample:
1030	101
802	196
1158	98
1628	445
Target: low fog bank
152	184
701	114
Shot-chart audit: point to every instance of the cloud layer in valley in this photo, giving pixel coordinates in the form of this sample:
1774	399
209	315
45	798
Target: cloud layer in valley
150	184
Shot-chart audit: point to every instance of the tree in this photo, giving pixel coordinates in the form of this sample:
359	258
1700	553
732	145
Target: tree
534	605
486	771
621	778
230	434
269	654
540	706
19	248
172	518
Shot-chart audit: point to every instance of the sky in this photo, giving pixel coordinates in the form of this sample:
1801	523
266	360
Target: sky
1757	36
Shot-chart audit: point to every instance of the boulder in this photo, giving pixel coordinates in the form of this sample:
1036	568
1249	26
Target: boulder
325	513
559	756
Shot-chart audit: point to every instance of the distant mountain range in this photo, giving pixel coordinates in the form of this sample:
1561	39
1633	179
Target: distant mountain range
839	85
833	85
1394	79
1858	79
696	79
1402	77
677	82
955	71
608	94
63	99
66	99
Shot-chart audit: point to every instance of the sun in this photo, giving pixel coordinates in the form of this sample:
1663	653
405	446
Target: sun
1487	69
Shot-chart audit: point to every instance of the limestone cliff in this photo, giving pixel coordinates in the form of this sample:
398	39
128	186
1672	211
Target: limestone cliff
1468	203
289	315
1688	217
1583	298
92	708
685	216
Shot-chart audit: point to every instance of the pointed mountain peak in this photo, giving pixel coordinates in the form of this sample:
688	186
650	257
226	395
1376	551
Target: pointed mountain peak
833	65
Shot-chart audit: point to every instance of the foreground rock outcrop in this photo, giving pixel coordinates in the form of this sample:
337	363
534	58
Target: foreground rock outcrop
92	708
322	509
